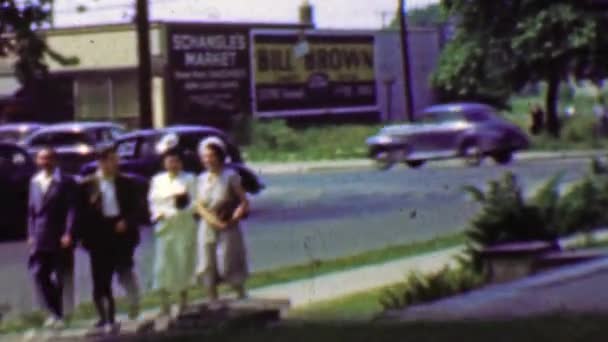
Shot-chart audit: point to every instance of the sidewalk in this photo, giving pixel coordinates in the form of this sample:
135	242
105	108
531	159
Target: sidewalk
315	289
362	164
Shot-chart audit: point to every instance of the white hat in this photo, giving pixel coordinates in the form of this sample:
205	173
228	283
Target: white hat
166	143
212	140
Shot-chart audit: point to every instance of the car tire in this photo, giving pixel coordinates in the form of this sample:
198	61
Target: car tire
415	164
471	152
503	158
384	159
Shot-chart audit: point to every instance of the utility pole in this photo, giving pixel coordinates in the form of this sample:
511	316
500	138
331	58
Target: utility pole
405	52
144	73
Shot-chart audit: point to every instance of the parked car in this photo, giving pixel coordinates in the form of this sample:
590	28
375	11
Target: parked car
18	132
138	155
16	169
461	130
76	143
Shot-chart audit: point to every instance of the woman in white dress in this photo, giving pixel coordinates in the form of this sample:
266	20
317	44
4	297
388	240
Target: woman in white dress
222	203
171	199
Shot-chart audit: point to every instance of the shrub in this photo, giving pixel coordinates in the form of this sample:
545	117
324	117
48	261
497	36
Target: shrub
420	288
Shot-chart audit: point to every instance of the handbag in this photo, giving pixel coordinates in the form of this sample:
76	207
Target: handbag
182	201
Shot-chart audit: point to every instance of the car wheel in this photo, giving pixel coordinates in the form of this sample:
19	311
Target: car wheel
503	158
384	158
414	164
472	154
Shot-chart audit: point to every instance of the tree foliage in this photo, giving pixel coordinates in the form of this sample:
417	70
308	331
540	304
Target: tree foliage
20	22
502	45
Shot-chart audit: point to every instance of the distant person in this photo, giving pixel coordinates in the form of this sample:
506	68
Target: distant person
171	198
108	219
537	117
601	114
222	203
50	217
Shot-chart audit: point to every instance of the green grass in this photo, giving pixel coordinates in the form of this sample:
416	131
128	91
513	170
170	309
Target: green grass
590	328
270	277
276	142
362	306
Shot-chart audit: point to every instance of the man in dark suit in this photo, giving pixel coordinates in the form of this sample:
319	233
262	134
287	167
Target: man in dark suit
50	217
108	220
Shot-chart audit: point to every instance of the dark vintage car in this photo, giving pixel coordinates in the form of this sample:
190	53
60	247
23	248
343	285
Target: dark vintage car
138	153
462	130
76	143
18	132
16	169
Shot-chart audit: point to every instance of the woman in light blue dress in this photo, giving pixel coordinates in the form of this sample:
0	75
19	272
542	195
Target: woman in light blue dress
222	203
170	198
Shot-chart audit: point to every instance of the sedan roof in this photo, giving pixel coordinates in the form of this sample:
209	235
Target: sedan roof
173	129
458	107
20	126
80	126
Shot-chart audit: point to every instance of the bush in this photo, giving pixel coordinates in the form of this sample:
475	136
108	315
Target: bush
276	141
420	288
506	215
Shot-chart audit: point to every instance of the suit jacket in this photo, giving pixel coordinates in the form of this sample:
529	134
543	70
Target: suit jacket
92	229
51	214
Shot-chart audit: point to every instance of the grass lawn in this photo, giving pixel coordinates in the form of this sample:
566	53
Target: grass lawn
362	306
543	329
265	278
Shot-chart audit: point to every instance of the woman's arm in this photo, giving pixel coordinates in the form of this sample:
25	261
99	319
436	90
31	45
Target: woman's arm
210	217
243	209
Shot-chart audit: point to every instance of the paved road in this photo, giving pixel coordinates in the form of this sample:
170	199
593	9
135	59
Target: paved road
326	215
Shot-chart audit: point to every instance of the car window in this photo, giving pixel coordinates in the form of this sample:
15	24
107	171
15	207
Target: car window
429	118
148	146
105	136
61	139
477	116
116	132
127	148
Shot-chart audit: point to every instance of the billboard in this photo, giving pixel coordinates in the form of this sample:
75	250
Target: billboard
209	75
314	73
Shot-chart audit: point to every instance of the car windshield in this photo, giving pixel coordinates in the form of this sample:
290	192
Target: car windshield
62	139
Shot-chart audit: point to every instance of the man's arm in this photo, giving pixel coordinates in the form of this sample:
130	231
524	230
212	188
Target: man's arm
71	214
31	213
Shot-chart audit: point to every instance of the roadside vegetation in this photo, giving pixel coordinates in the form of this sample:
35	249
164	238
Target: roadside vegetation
276	141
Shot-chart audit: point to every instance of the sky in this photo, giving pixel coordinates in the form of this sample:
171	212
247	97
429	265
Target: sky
353	14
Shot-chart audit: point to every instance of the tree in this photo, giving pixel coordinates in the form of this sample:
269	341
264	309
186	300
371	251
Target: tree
20	23
505	44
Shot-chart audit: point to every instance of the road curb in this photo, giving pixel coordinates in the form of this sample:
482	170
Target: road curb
366	164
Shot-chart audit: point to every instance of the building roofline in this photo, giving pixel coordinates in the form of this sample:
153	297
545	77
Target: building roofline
161	23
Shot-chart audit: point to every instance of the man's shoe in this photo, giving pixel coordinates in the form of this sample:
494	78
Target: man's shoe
112	328
50	322
59	324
